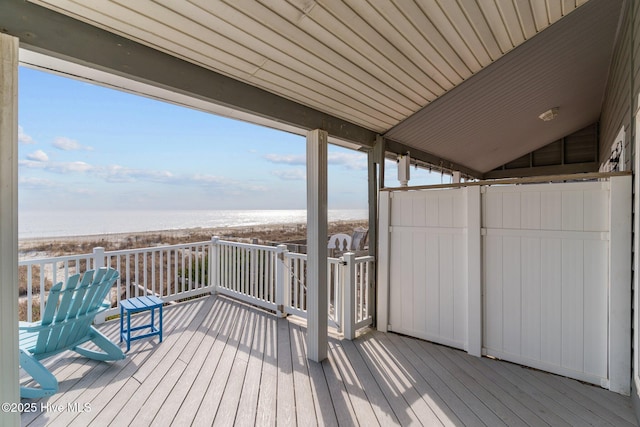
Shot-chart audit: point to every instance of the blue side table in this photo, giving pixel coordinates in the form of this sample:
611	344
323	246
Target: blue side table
136	305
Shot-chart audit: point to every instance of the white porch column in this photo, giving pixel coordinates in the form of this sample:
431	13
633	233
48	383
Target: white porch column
620	285
317	306
9	373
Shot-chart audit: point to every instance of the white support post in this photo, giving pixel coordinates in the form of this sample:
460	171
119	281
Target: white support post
214	265
620	285
98	257
474	275
98	262
349	295
9	362
384	217
281	278
317	307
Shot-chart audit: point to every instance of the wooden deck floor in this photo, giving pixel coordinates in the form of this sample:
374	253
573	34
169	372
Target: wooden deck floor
224	363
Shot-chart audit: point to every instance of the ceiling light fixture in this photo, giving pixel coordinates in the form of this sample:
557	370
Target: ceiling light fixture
549	114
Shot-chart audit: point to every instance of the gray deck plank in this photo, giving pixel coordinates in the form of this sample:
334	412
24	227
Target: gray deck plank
604	405
455	410
286	403
505	413
477	407
208	333
404	382
117	373
612	401
230	399
548	401
361	404
226	363
398	392
325	413
510	393
162	359
460	360
248	404
266	410
398	350
213	395
305	407
582	409
194	398
379	403
342	405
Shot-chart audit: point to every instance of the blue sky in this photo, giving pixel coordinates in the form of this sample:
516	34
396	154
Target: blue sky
83	146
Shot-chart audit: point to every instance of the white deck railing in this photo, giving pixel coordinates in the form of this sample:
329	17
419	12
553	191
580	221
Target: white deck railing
266	276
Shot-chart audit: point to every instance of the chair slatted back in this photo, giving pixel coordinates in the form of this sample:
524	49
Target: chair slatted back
70	311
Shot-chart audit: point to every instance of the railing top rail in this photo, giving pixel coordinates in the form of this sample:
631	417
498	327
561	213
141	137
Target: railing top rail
54	259
247	245
366	258
295	255
157	248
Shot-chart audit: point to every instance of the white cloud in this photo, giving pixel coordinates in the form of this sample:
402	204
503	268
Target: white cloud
116	173
291	175
70	167
68	144
289	159
350	160
353	161
35	183
23	138
38	156
56	167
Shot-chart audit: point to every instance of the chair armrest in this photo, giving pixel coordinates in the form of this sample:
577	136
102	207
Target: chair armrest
30	327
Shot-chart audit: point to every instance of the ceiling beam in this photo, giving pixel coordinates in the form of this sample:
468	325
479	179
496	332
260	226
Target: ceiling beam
438	162
542	170
52	33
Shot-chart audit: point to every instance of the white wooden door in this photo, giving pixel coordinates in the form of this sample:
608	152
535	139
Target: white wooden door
428	293
545	277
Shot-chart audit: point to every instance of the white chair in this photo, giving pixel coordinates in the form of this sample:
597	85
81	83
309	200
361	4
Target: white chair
340	242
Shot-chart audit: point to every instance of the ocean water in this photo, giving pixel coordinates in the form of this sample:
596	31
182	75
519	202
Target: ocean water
33	224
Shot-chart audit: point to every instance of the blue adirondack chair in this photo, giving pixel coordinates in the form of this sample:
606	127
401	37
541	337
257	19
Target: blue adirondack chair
65	325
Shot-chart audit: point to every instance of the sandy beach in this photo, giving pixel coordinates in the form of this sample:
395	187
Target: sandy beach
261	234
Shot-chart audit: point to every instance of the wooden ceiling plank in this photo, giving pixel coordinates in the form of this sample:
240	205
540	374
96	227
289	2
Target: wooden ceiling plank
554	10
282	85
342	21
433	45
326	37
467	31
322	73
227	64
540	14
434	10
200	38
525	13
498	25
390	21
481	25
290	39
420	49
510	21
332	97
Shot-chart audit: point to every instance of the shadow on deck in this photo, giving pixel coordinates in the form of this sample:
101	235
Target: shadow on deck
225	363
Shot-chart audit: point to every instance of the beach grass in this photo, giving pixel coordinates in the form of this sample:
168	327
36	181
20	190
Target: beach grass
75	245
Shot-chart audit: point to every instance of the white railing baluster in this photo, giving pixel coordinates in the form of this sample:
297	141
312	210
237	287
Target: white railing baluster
266	276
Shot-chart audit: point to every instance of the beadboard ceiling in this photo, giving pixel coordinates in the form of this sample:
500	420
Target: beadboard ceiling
454	78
